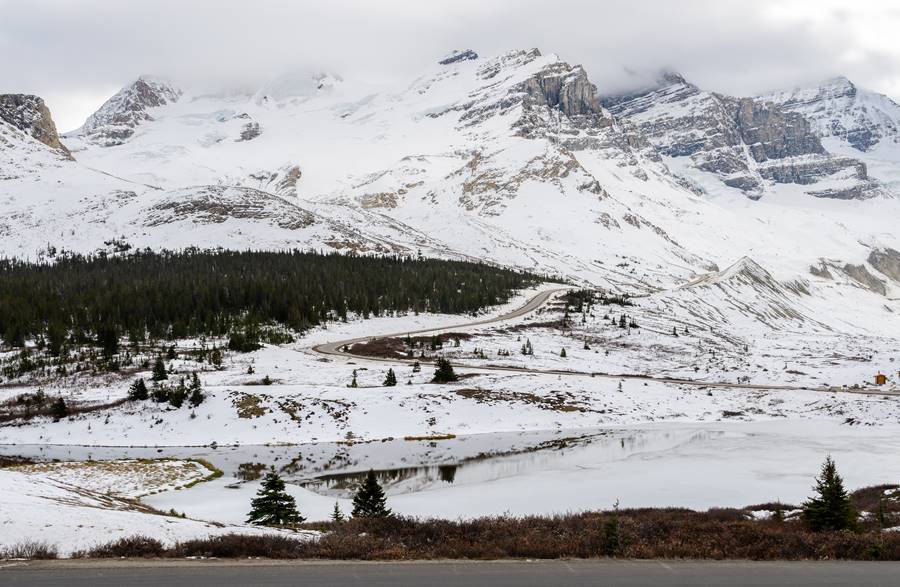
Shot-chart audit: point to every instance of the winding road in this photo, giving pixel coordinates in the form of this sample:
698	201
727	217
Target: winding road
537	301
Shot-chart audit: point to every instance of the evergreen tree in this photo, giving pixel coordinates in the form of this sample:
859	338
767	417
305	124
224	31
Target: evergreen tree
215	357
778	512
830	509
527	349
417	367
160	393
444	371
336	514
108	339
370	501
273	506
159	370
562	354
138	391
178	394
586	346
195	391
391	379
56	337
59	409
353	382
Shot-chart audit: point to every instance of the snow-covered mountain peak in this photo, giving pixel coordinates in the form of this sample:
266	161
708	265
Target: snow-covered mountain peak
751	144
116	120
838	109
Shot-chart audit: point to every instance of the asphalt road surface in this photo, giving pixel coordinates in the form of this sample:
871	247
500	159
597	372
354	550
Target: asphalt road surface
336	349
468	574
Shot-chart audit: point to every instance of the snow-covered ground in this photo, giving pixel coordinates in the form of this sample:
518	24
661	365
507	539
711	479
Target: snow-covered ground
46	506
310	398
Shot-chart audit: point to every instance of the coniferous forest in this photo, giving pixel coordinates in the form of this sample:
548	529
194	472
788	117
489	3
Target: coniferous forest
170	295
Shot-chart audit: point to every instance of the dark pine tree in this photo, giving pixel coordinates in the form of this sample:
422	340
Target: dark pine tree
391	379
195	391
273	506
370	501
138	391
159	370
59	409
178	394
336	514
443	372
830	508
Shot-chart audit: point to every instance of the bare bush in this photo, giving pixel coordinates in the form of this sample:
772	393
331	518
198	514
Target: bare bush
33	550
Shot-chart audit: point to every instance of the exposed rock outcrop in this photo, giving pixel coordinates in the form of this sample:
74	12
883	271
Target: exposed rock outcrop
249	131
218	204
30	115
887	262
282	182
861	275
769	133
563	87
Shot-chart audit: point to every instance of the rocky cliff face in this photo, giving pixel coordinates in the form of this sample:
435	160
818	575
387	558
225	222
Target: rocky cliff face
30	115
837	108
115	121
747	142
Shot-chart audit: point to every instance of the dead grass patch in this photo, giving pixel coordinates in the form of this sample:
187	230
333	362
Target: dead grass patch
249	406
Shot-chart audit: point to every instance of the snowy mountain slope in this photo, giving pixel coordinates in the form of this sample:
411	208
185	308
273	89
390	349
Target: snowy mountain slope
513	159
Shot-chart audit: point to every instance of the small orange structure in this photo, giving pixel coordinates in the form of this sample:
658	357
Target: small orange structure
880	379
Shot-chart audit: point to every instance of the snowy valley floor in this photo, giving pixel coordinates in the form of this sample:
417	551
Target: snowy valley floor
489	444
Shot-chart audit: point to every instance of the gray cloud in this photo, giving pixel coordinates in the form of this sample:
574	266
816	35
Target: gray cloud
76	52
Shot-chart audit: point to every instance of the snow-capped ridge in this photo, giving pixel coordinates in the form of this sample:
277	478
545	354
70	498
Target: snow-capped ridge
458	56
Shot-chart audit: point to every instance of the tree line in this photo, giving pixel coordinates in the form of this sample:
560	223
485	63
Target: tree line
168	295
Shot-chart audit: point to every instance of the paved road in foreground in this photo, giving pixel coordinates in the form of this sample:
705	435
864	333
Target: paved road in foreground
540	299
469	574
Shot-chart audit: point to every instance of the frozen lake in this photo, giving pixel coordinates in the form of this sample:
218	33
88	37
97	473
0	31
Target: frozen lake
669	464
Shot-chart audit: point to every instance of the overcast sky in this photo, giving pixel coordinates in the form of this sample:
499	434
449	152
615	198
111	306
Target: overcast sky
76	53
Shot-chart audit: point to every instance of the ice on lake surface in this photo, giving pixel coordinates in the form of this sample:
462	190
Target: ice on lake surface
667	464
